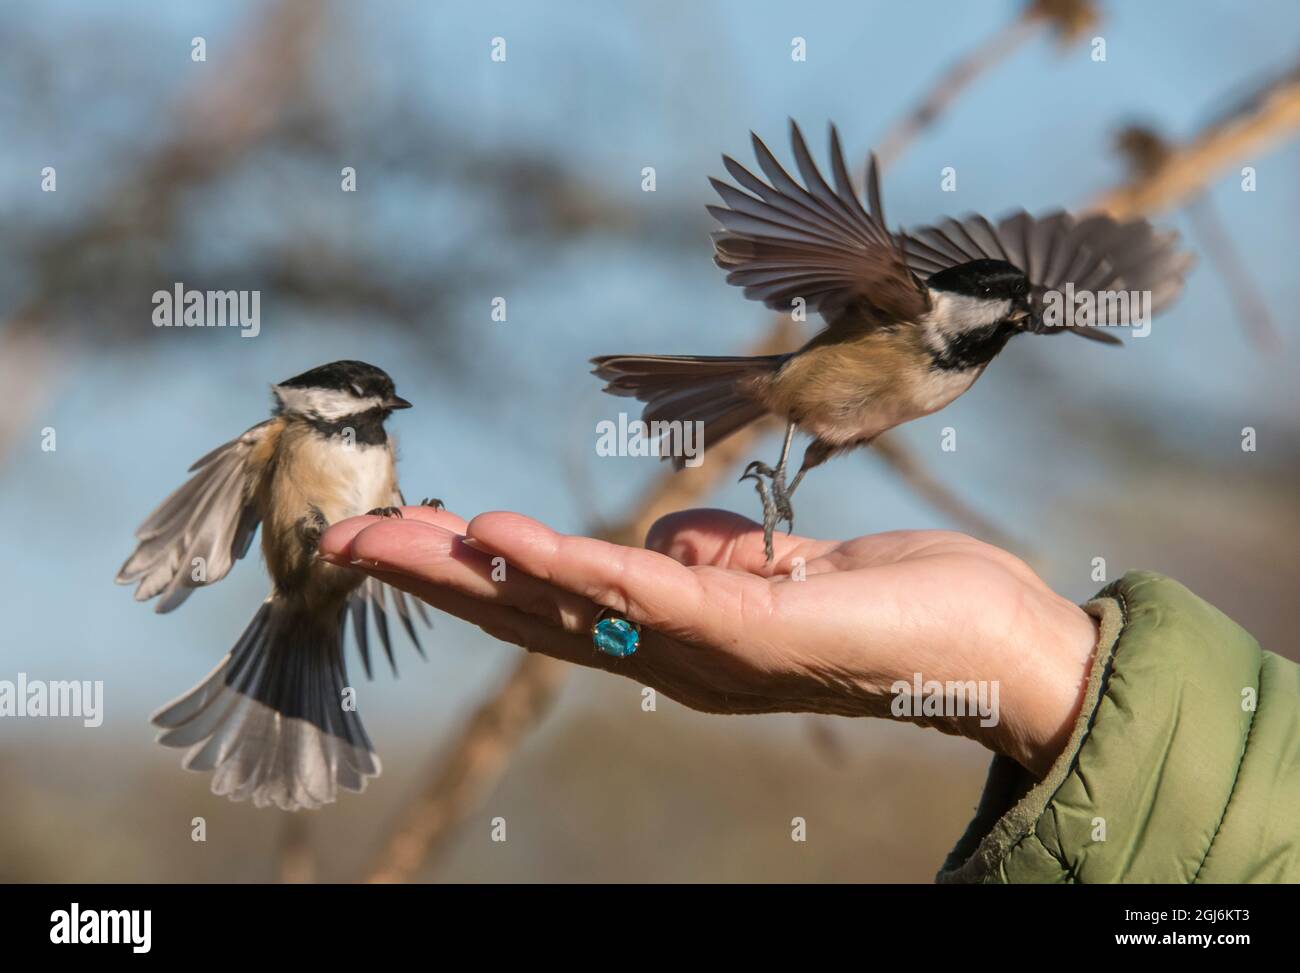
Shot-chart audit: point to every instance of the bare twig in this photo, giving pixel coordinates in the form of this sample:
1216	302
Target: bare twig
1146	152
1068	19
470	766
1252	309
952	83
475	760
1189	168
472	762
294	862
912	472
458	781
27	365
216	123
1255	123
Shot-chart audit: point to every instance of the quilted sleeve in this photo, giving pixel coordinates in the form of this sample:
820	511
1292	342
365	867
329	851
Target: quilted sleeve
1184	764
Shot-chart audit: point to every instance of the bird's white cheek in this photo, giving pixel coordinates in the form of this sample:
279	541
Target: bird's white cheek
328	404
954	314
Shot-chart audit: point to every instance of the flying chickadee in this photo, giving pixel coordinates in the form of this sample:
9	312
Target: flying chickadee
270	719
912	319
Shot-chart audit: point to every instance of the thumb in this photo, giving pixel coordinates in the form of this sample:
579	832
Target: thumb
719	538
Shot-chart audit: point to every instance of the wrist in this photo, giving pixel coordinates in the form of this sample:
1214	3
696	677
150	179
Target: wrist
1045	686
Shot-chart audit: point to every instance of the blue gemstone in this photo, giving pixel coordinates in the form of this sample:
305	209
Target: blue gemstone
616	637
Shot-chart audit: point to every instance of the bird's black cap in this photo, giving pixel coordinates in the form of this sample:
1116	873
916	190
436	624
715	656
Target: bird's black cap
987	278
360	378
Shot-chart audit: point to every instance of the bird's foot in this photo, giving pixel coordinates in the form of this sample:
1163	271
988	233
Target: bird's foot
433	502
310	529
385	512
781	493
776	500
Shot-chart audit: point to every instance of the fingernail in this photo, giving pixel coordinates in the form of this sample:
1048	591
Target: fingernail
331	558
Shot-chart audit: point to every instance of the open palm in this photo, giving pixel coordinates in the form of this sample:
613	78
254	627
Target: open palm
828	626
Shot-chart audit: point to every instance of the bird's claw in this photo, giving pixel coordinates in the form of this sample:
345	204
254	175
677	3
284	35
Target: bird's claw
776	501
385	512
433	502
310	529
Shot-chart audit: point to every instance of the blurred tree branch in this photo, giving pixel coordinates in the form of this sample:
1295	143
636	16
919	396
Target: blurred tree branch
266	93
215	124
1253	125
469	767
499	724
1252	309
294	862
424	829
258	109
1187	169
473	761
1067	18
1146	152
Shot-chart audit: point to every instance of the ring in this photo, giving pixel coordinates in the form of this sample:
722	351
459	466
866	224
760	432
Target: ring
614	635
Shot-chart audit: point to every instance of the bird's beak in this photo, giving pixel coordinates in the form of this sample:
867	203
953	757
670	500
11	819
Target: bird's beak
396	402
1021	311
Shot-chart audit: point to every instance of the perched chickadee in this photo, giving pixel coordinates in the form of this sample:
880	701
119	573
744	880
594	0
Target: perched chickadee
271	719
912	319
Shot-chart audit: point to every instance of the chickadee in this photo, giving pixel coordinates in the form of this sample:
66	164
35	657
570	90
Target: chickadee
912	319
272	720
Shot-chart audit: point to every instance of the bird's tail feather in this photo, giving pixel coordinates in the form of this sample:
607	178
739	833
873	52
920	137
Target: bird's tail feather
690	388
270	720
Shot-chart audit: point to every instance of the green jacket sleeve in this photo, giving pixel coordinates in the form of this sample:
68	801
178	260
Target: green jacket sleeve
1184	764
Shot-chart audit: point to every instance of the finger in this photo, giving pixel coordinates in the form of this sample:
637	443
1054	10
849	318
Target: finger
697	605
510	625
438	557
439	517
727	540
338	538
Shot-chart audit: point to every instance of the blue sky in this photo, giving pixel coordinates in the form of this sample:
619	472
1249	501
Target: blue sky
606	89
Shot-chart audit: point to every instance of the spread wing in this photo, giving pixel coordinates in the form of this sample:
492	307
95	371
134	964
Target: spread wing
1094	253
783	241
371	599
195	536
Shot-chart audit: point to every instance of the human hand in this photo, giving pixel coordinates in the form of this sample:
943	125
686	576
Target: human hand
725	632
